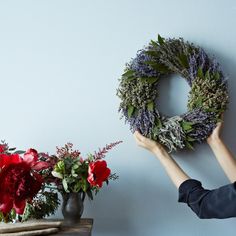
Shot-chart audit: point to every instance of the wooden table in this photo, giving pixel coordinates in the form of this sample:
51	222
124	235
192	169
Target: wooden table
83	228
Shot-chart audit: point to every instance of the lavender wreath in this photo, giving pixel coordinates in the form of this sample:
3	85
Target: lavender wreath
138	91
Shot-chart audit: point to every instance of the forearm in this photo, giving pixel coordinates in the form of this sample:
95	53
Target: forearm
176	174
224	157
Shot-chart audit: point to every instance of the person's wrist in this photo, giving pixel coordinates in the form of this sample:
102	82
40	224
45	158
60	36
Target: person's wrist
159	151
213	139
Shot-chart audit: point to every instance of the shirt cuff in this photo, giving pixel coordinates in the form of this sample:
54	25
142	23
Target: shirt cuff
186	187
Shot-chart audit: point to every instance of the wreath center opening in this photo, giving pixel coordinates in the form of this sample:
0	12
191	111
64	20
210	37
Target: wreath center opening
173	95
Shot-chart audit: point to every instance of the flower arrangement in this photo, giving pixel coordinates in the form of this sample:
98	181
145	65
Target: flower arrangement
77	174
29	181
22	185
138	91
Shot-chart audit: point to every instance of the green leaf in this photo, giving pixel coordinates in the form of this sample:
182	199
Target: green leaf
200	73
158	123
151	63
157	66
13	214
130	110
152	53
19	152
207	75
77	187
150	106
57	174
84	185
65	185
189	145
130	78
160	39
75	166
90	194
198	102
73	173
60	166
210	110
154	43
128	73
160	68
150	80
190	139
184	60
186	125
217	76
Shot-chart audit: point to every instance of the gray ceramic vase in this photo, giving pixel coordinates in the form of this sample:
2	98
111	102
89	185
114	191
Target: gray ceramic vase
72	207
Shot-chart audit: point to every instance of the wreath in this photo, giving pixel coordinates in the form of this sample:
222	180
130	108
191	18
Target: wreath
138	91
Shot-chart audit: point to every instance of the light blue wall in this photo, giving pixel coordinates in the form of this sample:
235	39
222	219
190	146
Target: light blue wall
59	65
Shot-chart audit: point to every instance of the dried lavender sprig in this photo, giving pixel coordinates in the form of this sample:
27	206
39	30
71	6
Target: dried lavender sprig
144	121
199	59
203	123
139	66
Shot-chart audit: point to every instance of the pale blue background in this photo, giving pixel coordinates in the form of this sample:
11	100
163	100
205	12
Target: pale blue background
59	67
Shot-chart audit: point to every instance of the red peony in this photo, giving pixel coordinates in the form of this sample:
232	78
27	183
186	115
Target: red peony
19	180
98	173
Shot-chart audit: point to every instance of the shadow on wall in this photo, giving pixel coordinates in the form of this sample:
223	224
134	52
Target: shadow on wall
229	131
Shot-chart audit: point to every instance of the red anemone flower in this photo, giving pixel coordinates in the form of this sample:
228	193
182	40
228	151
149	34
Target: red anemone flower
98	173
19	180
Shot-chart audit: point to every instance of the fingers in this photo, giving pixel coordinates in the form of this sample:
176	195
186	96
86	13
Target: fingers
139	136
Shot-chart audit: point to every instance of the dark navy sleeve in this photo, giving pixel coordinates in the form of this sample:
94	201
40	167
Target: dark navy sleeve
218	203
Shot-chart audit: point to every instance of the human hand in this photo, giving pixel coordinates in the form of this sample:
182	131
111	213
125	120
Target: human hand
148	144
216	133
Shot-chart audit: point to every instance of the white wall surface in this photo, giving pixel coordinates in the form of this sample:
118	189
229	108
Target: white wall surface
59	67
